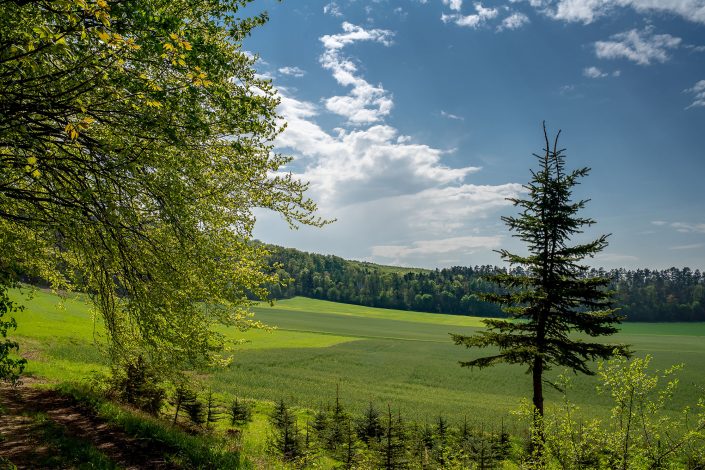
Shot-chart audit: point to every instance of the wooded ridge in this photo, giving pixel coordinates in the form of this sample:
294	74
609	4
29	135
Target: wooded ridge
669	295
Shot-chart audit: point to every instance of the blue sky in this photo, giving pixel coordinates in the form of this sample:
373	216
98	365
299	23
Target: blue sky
414	120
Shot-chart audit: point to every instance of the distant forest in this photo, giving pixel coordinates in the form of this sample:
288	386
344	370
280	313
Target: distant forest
643	295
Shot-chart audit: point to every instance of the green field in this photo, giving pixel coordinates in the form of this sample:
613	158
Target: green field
384	356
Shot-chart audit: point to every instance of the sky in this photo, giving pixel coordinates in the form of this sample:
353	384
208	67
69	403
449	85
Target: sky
414	120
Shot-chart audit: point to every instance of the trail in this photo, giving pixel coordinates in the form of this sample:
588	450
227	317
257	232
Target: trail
22	440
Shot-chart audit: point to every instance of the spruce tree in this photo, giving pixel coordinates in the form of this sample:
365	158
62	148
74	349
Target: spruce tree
184	397
212	409
287	440
553	296
369	427
240	412
393	452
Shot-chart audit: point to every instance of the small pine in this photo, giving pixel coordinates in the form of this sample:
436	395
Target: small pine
212	409
369	428
195	411
240	412
287	440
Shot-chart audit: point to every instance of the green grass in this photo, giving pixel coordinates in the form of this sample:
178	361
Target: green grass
386	356
69	451
178	447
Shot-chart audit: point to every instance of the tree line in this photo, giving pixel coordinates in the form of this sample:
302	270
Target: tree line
675	294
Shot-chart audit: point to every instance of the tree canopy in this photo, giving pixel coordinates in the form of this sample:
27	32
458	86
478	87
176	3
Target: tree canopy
135	140
552	298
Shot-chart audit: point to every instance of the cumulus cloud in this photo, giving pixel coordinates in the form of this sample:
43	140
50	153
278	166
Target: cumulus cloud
698	93
514	21
594	72
479	18
355	165
587	11
455	5
642	47
382	186
366	103
385	188
332	9
292	71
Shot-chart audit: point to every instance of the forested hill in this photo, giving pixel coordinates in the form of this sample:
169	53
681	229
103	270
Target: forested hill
643	294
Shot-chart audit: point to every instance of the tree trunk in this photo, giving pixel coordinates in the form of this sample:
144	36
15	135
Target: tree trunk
537	435
537	373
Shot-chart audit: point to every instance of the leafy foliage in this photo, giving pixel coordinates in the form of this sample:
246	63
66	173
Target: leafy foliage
642	430
135	139
10	367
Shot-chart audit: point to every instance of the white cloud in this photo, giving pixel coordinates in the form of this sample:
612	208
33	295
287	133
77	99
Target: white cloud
481	16
454	5
332	9
436	247
642	47
616	258
356	165
698	92
293	71
514	21
594	72
688	227
692	246
587	11
683	227
452	116
366	103
384	188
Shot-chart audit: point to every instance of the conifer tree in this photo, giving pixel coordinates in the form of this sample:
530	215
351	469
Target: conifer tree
393	451
369	428
440	444
320	424
212	409
555	296
240	412
337	424
287	440
195	411
183	398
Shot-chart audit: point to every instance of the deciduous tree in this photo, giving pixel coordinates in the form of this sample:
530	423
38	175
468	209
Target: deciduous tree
135	140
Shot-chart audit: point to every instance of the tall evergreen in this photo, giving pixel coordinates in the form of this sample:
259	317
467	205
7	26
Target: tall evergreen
555	296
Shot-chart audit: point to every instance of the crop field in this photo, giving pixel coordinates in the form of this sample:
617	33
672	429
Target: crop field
402	358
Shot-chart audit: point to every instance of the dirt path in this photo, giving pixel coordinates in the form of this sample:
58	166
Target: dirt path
25	445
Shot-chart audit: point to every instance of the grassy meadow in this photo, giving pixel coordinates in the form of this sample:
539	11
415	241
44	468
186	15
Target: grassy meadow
384	356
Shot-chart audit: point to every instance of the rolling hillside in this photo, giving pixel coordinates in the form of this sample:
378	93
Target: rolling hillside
385	356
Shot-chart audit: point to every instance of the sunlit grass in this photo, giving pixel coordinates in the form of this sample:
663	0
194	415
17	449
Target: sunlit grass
385	356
